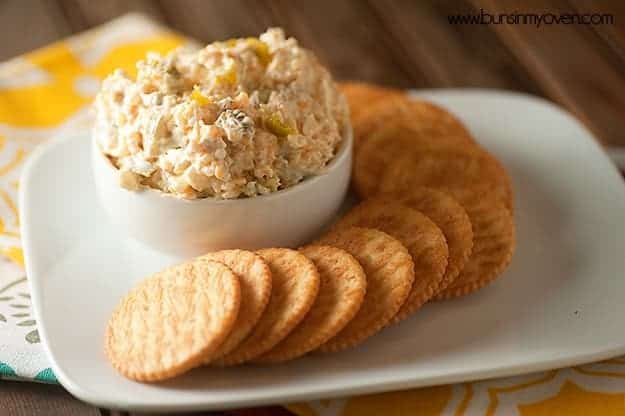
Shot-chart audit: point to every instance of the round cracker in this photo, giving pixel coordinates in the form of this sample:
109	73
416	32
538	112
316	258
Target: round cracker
295	284
255	280
389	143
342	290
453	221
493	243
172	320
390	273
422	237
442	169
430	119
360	95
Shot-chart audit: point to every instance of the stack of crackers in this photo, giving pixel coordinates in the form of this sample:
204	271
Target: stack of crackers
435	222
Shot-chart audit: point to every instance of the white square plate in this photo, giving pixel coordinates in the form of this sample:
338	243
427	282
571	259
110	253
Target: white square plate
562	301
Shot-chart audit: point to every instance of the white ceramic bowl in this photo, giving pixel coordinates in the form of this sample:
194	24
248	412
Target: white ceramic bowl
287	218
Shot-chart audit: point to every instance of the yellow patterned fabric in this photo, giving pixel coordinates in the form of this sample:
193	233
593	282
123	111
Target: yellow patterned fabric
587	390
44	94
48	92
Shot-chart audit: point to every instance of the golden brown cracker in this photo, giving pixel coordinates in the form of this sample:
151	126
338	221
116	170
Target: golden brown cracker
360	95
453	221
478	172
390	143
390	273
493	242
342	290
255	279
172	320
430	119
294	289
422	237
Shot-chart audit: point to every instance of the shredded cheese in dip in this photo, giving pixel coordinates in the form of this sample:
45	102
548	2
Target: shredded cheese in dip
239	118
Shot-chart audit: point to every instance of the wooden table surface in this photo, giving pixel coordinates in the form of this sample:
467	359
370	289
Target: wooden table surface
399	43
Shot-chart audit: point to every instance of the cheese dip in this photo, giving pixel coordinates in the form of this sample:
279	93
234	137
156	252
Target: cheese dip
239	118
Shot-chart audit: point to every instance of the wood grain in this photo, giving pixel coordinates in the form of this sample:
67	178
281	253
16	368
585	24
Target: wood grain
613	35
219	19
32	399
403	43
350	39
452	55
83	14
110	412
261	411
44	20
568	65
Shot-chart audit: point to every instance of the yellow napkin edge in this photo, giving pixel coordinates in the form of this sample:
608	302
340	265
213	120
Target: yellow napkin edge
16	64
